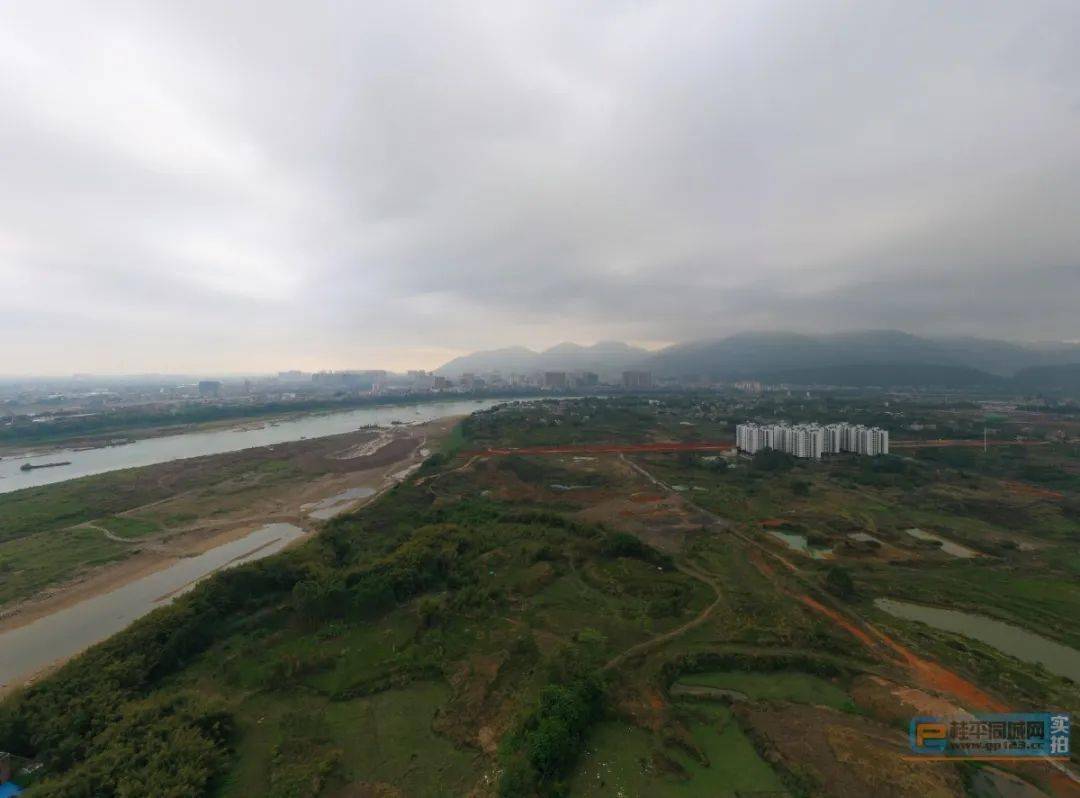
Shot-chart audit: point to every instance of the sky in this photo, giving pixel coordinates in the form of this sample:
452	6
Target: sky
260	185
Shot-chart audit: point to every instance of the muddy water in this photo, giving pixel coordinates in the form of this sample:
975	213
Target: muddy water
150	451
799	543
1008	639
27	649
338	503
947	546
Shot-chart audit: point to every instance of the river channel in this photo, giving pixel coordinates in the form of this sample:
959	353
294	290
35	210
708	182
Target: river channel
245	435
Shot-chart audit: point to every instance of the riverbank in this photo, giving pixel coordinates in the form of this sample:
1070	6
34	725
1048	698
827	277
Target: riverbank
356	468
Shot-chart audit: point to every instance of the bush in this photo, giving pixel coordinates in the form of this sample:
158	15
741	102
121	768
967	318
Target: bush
621	544
839	582
772	460
546	744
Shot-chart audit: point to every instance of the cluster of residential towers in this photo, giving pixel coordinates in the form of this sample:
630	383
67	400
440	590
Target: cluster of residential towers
812	440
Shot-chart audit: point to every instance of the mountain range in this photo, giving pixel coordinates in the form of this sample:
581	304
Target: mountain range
868	357
606	358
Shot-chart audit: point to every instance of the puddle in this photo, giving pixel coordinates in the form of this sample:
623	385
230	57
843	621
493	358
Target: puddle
947	546
799	543
335	505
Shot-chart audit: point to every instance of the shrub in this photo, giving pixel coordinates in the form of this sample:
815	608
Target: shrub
839	582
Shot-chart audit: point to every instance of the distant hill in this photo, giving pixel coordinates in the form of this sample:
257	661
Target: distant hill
871	357
1050	378
606	358
760	354
868	357
885	375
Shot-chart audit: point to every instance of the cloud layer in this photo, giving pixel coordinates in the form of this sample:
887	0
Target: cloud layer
254	185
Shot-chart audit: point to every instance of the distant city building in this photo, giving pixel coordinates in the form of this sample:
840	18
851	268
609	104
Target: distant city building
637	379
811	441
749	386
426	381
555	379
371	379
209	388
585	379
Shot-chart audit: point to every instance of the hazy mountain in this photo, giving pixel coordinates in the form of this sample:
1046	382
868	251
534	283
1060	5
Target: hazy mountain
868	357
1050	378
605	358
776	355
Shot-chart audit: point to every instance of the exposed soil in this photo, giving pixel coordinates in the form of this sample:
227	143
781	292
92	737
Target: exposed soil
847	755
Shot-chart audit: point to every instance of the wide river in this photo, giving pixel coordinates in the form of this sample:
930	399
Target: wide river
245	435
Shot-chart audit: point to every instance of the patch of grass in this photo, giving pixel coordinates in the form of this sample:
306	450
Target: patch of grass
454	442
381	738
801	688
128	527
30	564
627	760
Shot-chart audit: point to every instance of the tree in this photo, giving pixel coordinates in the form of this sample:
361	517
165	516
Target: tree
839	582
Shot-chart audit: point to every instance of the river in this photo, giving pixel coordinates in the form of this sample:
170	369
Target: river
27	649
245	435
1009	639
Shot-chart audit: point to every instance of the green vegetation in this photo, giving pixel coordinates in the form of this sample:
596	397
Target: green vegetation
30	564
537	625
546	744
129	526
717	761
838	581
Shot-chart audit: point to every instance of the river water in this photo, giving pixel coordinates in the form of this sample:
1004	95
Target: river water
27	649
244	435
1009	639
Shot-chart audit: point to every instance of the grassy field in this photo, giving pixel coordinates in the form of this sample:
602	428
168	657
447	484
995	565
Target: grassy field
292	746
31	564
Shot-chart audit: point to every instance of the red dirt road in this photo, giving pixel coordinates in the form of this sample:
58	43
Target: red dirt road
612	448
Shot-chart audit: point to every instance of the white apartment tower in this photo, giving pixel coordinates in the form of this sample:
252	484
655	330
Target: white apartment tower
811	441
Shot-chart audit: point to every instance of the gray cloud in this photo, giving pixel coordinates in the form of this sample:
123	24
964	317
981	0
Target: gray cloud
251	185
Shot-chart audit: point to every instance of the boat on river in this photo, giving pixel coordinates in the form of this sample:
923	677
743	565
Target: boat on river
32	467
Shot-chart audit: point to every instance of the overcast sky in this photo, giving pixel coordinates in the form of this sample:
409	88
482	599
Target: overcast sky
247	186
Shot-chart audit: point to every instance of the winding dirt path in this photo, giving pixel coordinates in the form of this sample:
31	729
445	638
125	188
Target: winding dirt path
659	640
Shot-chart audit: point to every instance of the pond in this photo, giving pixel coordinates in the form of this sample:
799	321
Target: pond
799	543
947	546
1012	640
